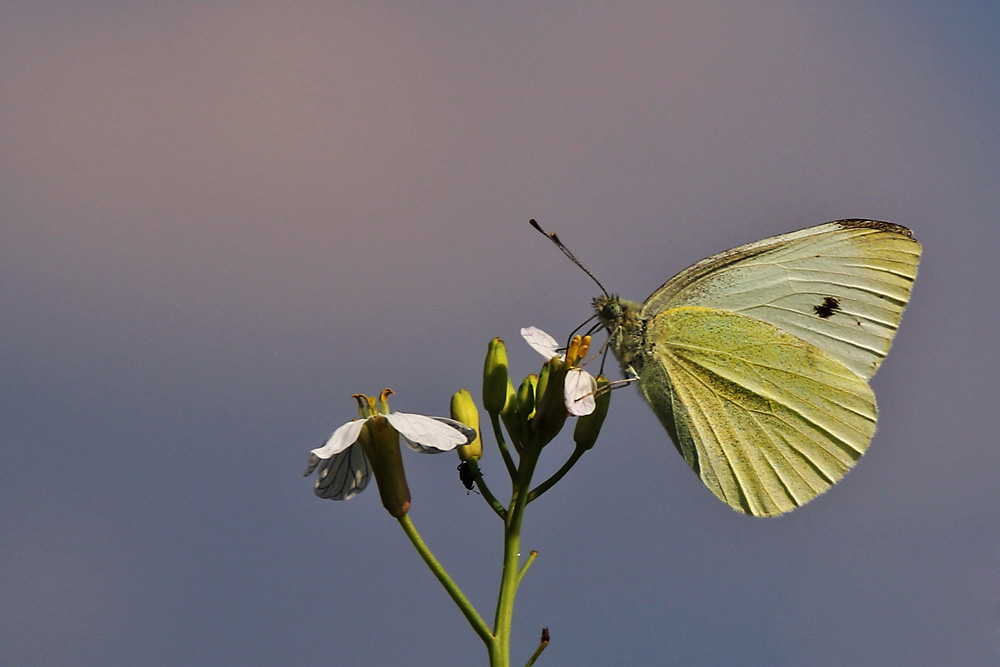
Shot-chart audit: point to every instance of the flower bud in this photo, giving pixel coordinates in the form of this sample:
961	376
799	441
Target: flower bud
510	404
512	417
381	444
463	409
495	378
550	404
526	396
588	427
542	384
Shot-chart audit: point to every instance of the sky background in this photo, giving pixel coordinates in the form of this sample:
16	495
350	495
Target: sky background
222	219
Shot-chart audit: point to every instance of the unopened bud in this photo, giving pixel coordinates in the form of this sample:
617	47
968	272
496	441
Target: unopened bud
512	417
550	404
495	379
463	409
588	427
526	396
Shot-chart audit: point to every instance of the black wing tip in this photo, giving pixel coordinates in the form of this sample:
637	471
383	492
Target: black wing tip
861	223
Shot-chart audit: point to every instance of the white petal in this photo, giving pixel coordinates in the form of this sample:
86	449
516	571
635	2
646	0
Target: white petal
342	438
541	342
469	432
344	475
429	435
313	462
579	392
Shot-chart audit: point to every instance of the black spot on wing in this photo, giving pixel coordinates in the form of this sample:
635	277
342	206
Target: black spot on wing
829	306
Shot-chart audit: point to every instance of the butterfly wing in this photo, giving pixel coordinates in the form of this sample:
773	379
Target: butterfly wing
841	286
767	420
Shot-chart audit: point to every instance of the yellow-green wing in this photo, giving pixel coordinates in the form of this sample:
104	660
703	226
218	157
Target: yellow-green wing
841	286
766	419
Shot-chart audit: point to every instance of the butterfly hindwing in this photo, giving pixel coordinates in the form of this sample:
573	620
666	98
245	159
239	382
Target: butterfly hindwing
767	420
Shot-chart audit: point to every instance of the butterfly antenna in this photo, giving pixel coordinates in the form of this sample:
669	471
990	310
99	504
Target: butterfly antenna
590	332
559	244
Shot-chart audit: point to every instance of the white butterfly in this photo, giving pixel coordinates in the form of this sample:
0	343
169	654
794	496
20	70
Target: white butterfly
756	360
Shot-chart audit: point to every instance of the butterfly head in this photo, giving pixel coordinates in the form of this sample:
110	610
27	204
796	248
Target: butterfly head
609	311
625	326
612	313
616	313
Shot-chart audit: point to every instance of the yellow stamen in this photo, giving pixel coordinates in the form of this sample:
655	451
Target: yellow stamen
577	350
384	400
363	403
571	349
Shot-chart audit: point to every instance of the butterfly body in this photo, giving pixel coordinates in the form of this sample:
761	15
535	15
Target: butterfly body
756	360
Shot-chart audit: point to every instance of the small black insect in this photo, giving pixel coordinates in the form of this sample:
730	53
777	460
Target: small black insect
465	474
829	306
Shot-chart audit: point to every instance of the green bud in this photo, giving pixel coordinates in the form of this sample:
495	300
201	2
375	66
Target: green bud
495	378
543	379
381	444
588	427
550	401
526	396
463	409
511	416
510	404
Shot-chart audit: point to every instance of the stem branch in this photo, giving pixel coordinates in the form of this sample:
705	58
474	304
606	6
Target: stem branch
469	611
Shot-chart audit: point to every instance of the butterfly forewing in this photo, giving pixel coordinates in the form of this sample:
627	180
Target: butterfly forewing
767	420
841	286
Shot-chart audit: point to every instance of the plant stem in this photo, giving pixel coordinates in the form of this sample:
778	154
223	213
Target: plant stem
469	611
485	490
524	569
502	446
544	642
557	475
511	574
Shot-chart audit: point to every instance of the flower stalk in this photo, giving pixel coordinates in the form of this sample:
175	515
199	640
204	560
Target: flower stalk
532	417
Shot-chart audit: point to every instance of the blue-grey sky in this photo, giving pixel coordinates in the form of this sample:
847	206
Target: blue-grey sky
222	219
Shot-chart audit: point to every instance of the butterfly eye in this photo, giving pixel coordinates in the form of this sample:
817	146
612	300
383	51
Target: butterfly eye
611	310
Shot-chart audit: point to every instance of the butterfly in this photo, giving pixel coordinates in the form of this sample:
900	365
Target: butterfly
757	360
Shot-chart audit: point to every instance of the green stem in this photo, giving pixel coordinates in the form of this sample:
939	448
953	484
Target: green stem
485	490
469	611
524	569
544	642
502	446
511	575
557	475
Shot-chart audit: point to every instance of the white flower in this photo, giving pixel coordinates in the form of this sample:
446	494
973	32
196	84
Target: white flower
580	385
344	468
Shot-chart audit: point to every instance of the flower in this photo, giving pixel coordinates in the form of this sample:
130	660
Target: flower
580	386
347	458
